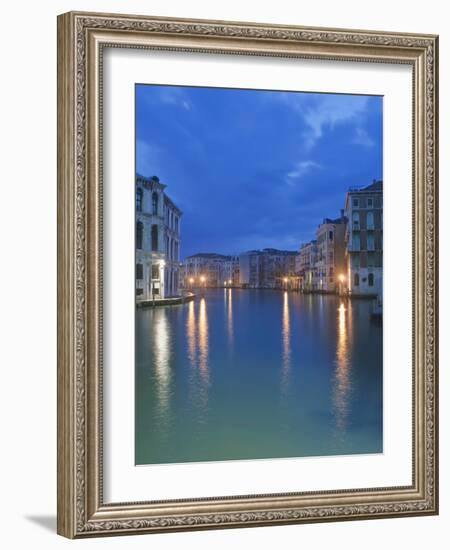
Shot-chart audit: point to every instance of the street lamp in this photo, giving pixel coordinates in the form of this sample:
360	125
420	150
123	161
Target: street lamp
191	282
229	281
285	280
202	280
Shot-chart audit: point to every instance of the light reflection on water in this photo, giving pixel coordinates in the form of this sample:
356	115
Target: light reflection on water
342	382
257	374
162	346
286	334
229	307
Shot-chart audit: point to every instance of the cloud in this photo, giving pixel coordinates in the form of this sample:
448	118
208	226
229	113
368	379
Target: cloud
362	138
320	112
175	96
301	169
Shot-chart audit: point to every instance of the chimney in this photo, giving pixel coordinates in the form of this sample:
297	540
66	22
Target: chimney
342	214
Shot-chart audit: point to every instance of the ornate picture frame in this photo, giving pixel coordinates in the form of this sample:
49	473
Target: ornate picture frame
82	38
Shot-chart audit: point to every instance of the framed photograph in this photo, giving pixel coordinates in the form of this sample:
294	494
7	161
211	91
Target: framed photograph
247	274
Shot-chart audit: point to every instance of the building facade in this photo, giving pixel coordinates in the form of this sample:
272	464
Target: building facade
306	266
330	260
364	240
157	241
267	268
210	269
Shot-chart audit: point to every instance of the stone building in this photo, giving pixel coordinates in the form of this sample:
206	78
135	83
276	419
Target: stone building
157	241
306	266
364	240
330	264
267	268
210	269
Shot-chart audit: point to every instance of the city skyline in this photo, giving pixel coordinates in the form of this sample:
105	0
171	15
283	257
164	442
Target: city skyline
240	184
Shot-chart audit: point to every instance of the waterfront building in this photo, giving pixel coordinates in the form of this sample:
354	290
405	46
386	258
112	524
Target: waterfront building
267	268
157	241
330	263
306	266
364	240
210	269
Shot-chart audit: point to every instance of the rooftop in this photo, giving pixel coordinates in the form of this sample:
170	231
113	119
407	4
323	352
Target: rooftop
210	256
375	186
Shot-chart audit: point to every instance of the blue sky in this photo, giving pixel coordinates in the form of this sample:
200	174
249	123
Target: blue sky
252	168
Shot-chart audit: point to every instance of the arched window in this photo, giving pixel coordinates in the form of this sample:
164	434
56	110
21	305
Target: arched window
139	235
355	218
356	279
154	238
370	224
155	203
370	279
139	194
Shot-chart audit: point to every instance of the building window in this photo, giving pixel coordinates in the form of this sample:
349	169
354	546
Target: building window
370	242
355	219
356	203
330	235
369	203
356	244
370	222
155	272
176	224
139	272
155	203
154	238
139	291
139	195
356	279
139	235
370	279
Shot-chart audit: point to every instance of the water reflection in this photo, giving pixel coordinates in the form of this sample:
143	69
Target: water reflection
197	339
191	334
342	383
162	347
203	342
229	302
286	333
304	378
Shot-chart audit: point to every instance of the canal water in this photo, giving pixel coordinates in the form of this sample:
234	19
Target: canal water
247	374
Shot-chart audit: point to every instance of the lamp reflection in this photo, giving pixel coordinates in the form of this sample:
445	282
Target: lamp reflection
191	334
342	382
203	340
286	334
230	315
162	347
